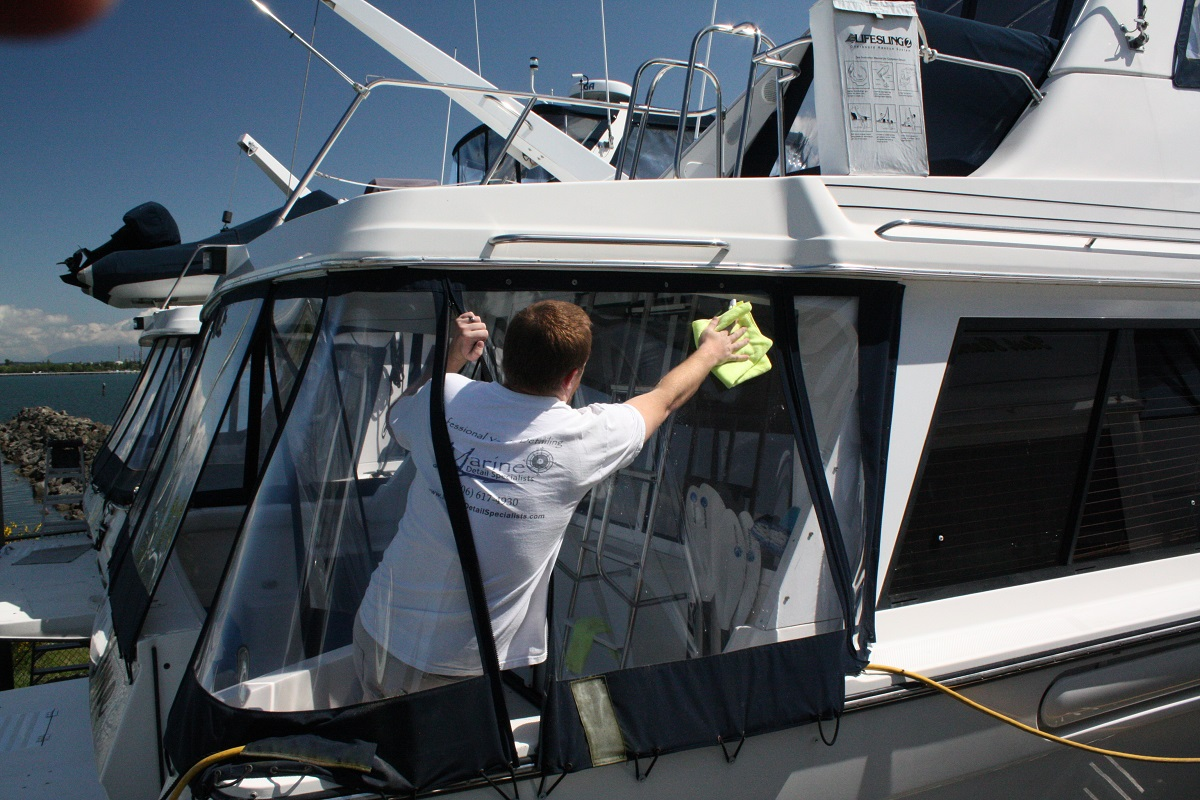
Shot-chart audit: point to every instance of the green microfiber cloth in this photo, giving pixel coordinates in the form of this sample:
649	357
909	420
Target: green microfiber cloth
738	372
583	633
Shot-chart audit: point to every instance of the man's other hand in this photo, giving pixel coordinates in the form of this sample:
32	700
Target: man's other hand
469	337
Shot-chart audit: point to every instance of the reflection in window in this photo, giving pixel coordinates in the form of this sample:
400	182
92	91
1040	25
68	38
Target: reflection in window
157	411
1193	42
130	422
158	518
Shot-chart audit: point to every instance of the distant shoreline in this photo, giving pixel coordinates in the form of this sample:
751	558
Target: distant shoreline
80	372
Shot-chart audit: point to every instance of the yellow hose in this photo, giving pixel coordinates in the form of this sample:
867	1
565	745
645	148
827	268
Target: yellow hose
203	763
930	682
1021	725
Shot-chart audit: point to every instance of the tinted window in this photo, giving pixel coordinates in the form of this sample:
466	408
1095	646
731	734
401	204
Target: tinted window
1003	459
1145	482
1026	475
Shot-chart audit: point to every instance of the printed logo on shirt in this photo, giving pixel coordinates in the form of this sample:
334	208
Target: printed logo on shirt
494	470
539	461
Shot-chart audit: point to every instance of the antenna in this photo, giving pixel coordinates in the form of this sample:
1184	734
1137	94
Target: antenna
533	68
604	44
478	52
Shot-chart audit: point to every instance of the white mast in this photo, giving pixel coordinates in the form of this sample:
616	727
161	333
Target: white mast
280	175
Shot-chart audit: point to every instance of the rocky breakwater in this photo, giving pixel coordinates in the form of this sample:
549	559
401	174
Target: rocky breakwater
23	443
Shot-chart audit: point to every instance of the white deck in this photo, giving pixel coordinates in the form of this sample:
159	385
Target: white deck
56	599
45	743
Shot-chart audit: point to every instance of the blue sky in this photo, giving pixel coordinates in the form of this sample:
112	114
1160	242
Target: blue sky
148	102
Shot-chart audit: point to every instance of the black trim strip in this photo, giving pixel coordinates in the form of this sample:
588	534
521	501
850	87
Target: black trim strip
460	522
1186	74
787	333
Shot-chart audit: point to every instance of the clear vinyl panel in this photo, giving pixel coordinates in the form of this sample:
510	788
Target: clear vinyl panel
138	447
331	499
707	542
152	375
158	518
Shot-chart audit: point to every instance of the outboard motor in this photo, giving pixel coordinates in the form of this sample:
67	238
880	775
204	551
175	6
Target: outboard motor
146	227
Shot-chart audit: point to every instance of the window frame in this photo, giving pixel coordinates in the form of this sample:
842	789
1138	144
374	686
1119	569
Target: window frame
1186	72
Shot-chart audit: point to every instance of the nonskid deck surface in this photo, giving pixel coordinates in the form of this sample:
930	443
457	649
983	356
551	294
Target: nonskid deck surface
49	588
45	744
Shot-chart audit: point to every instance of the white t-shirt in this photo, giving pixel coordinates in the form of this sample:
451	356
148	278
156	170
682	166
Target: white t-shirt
524	462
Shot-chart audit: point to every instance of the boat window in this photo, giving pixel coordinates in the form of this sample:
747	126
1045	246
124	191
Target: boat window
1026	474
707	543
476	151
108	463
329	503
208	466
1187	47
124	471
136	452
248	428
151	376
1145	478
158	518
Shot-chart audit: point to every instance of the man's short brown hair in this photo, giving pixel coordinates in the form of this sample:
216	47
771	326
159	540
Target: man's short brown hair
544	342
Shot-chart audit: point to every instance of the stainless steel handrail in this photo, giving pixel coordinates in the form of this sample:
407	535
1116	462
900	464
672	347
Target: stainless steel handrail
202	248
554	238
743	29
665	65
512	135
883	230
363	91
769	57
928	55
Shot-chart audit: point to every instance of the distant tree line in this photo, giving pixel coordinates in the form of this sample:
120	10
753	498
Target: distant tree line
9	366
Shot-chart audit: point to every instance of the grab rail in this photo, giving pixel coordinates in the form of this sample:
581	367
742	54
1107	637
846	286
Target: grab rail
364	91
665	65
651	241
201	249
744	29
929	55
883	230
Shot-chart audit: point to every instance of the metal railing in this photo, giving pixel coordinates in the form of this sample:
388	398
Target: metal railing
665	65
531	99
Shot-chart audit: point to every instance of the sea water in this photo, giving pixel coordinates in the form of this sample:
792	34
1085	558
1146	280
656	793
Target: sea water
98	396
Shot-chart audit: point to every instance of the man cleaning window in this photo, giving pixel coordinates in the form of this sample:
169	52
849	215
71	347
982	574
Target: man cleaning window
525	460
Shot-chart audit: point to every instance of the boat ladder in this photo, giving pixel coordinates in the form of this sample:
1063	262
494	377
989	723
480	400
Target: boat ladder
620	563
64	461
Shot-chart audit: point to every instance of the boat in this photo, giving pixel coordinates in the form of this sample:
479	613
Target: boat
972	461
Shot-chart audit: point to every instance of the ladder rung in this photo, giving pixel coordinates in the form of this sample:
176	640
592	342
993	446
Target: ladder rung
644	602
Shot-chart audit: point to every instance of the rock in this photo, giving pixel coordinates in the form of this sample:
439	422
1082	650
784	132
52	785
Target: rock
23	443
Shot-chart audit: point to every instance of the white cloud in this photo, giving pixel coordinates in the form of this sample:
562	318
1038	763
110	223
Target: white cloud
31	334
